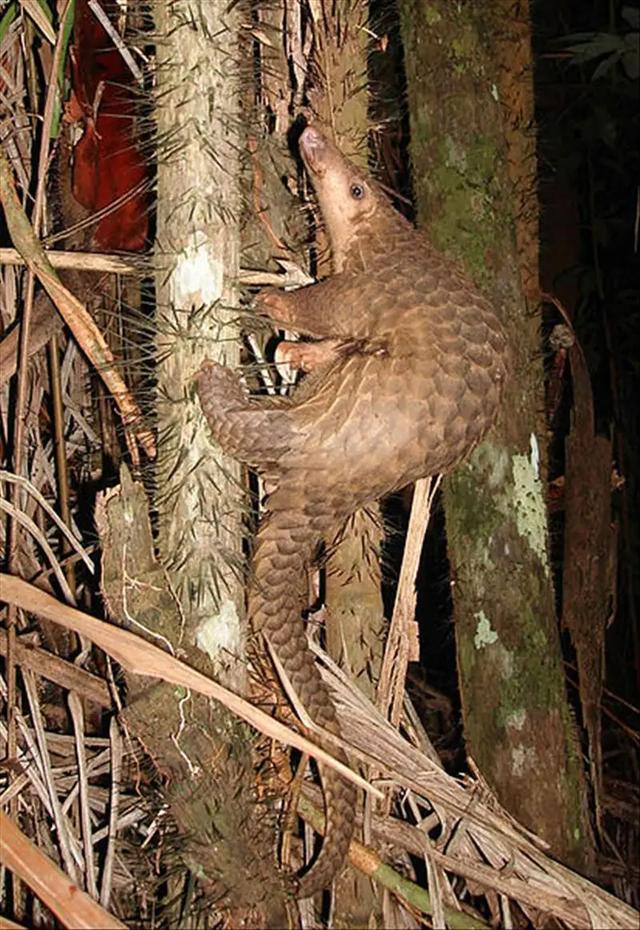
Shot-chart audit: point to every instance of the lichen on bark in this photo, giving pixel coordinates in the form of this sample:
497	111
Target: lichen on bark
473	178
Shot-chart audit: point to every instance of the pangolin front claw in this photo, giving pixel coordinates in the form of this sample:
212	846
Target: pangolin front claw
272	302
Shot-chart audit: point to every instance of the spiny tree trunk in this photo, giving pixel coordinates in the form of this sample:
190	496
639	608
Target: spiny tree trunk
518	725
199	499
332	74
339	95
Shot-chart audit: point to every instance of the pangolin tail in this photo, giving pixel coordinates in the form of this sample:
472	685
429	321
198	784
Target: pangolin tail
286	545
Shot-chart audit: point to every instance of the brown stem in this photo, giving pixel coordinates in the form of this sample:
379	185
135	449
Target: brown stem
59	446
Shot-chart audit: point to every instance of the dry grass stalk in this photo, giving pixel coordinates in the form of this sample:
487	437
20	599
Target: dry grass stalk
81	261
142	658
402	636
72	906
79	321
474	831
479	842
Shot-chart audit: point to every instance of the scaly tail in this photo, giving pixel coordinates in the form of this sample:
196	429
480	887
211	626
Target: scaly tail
287	539
286	545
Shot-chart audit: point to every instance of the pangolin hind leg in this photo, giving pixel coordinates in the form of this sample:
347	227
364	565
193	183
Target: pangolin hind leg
250	430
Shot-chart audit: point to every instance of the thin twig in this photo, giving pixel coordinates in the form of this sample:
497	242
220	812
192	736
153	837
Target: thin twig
59	819
79	261
56	669
77	716
19	517
62	526
60	452
114	806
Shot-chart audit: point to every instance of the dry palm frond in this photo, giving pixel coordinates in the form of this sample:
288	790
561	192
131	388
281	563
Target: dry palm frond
478	841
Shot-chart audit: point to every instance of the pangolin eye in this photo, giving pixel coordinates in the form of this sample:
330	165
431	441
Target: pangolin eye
357	191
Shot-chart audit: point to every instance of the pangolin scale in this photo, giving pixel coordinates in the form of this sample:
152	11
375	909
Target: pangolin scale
412	367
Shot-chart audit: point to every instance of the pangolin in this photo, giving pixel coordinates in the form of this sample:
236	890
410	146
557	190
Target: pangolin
410	382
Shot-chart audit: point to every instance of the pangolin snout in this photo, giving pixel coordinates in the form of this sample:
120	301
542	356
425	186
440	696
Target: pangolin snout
314	149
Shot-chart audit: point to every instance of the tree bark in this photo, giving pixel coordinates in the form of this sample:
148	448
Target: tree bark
199	494
470	101
339	95
332	76
353	594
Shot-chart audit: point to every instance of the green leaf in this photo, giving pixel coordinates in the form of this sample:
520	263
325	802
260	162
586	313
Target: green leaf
606	65
7	18
67	29
592	45
631	56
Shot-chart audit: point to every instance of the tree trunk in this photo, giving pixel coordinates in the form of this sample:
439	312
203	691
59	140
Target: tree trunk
517	720
339	95
332	76
199	497
353	594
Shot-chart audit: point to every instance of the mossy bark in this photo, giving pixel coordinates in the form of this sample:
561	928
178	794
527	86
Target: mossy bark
518	725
